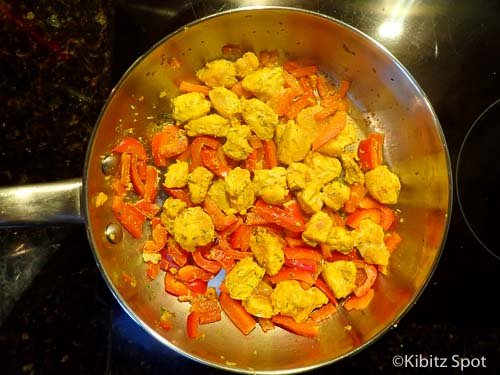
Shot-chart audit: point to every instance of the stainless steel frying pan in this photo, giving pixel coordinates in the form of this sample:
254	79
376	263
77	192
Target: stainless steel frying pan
388	100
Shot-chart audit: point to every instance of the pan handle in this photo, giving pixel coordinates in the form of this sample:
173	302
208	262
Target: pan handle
45	203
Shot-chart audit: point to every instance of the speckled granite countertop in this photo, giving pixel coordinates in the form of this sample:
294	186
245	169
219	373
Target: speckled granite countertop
59	60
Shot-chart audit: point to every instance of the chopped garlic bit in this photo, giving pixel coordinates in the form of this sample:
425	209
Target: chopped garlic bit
100	199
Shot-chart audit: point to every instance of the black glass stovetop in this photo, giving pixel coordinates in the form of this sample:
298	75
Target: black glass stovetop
58	315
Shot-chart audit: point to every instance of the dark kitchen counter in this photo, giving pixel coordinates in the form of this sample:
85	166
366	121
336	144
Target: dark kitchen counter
59	61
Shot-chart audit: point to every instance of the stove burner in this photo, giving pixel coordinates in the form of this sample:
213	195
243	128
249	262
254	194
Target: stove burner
478	168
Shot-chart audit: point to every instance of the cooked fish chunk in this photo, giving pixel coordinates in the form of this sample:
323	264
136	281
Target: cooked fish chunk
305	120
260	117
217	193
190	106
243	278
340	239
346	137
289	298
236	145
352	170
310	199
240	189
270	184
208	125
171	208
259	303
325	168
383	185
267	247
369	240
297	176
335	194
177	175
193	227
198	183
340	276
264	83
317	228
246	64
218	73
292	143
225	102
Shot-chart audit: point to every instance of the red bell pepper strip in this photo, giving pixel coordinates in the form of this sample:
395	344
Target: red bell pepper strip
168	143
193	324
292	208
302	264
304	71
358	191
151	185
237	313
176	252
147	209
343	88
298	105
321	285
392	241
132	146
371	276
198	287
197	145
174	286
324	312
355	218
189	273
303	252
194	87
215	161
309	328
135	177
278	215
270	154
220	219
129	216
359	303
288	273
370	151
179	193
160	236
240	239
330	129
125	170
219	255
152	270
211	266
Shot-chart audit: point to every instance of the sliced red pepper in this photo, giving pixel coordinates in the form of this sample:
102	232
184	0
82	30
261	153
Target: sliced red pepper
237	313
152	270
288	273
302	264
386	217
292	208
135	177
197	145
343	88
130	145
355	218
359	303
215	161
240	239
147	209
178	254
193	324
220	219
309	328
324	312
278	216
151	185
392	241
298	105
358	191
160	236
370	151
211	266
189	273
129	216
179	193
330	129
168	143
304	71
371	276
270	154
303	252
255	219
197	286
320	283
175	286
125	170
219	255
